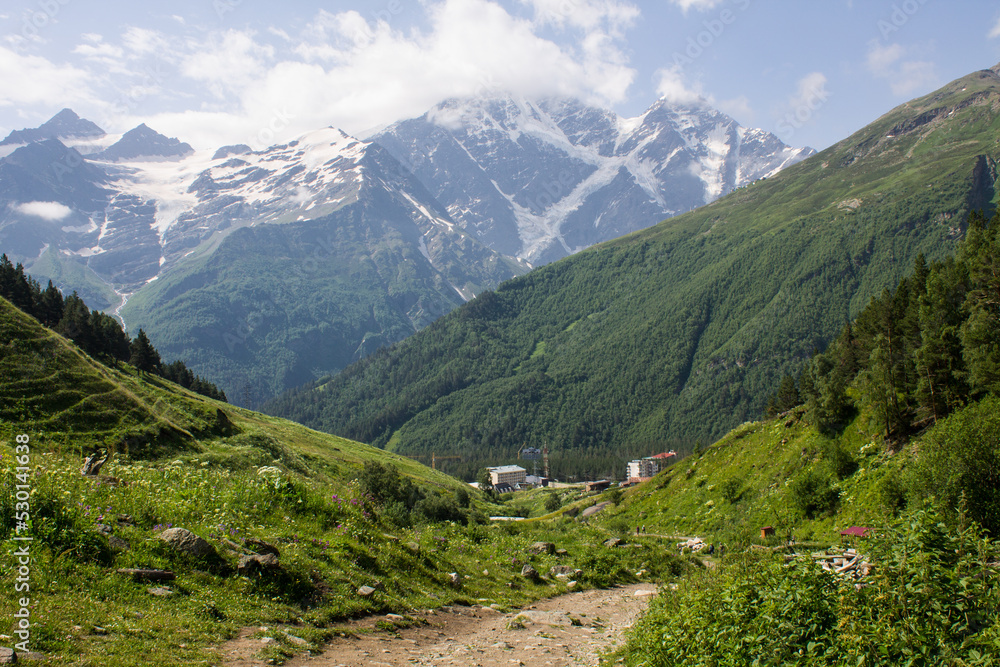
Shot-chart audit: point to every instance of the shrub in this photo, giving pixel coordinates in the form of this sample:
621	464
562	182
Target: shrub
731	489
813	494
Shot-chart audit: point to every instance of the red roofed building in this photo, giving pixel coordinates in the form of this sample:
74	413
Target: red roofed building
640	470
855	531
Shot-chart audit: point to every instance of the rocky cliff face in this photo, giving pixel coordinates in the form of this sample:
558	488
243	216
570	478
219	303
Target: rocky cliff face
540	180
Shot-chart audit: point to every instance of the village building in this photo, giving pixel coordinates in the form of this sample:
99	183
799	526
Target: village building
640	470
511	475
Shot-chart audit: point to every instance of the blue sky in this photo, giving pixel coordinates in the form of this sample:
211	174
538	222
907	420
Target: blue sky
213	72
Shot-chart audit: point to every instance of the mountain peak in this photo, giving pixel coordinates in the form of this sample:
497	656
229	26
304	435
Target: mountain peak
143	142
63	125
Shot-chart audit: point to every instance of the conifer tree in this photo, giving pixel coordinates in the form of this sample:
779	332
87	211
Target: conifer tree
144	357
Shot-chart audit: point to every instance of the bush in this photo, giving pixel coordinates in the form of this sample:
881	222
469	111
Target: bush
960	457
839	460
813	494
932	599
552	502
731	489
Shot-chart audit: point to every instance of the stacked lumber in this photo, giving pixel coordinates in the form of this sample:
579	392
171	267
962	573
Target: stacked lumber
847	563
695	545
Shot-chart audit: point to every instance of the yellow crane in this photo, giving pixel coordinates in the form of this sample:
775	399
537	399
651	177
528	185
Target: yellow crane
434	458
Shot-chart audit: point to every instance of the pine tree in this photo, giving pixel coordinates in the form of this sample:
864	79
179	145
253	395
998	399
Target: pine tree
144	356
51	306
981	331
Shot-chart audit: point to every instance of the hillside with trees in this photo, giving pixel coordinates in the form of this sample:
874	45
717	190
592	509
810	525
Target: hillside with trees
98	334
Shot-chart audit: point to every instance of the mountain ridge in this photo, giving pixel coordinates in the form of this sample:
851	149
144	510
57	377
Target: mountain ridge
553	171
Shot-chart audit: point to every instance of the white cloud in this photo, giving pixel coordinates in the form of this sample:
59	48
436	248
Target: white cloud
355	75
996	30
32	80
143	42
698	5
882	58
588	15
739	108
905	77
673	87
46	210
229	63
810	92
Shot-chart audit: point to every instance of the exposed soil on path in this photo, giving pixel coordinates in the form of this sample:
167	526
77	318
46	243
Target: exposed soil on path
572	629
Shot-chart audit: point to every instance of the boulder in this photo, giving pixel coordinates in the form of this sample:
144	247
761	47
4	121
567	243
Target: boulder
160	592
542	548
613	542
556	570
529	573
250	564
261	547
7	656
366	591
118	544
455	580
185	541
594	509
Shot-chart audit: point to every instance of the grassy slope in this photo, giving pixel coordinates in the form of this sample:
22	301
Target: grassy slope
680	331
187	466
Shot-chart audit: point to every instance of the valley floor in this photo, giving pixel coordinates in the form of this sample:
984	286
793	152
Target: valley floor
572	629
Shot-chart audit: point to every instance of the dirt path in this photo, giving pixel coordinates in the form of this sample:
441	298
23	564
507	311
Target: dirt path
571	629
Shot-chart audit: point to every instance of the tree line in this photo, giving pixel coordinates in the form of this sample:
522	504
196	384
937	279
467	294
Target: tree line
917	353
98	334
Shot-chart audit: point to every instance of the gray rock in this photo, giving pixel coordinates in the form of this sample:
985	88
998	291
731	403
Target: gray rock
455	579
529	573
366	591
250	564
160	591
7	656
260	546
542	548
118	544
613	542
297	641
185	541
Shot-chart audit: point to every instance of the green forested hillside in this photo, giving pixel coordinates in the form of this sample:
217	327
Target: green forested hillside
679	332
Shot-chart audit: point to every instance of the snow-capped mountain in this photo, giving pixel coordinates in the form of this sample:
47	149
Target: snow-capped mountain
331	235
540	180
314	253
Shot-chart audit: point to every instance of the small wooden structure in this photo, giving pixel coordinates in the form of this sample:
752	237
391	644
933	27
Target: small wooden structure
766	532
854	531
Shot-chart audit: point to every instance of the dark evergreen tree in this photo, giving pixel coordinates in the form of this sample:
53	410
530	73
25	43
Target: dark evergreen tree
981	331
51	306
144	356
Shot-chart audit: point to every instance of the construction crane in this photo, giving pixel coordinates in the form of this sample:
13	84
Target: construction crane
533	454
434	458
